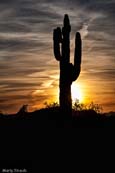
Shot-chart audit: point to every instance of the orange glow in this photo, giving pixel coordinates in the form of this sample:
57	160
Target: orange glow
77	92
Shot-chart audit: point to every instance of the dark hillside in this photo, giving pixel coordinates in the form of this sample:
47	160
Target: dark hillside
52	117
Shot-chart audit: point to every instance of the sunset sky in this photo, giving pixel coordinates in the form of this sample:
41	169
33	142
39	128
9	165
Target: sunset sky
29	73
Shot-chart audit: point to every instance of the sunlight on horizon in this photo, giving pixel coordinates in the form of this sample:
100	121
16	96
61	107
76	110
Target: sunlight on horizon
77	93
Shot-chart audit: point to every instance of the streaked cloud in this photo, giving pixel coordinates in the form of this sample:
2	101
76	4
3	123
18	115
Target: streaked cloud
28	69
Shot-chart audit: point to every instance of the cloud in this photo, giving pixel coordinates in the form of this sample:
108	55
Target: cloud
27	62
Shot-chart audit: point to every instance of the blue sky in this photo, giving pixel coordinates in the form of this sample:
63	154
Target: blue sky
29	72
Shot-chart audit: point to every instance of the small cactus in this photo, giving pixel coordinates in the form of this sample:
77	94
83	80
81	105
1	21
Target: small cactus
68	71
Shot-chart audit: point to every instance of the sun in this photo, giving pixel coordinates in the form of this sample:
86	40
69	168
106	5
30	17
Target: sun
76	92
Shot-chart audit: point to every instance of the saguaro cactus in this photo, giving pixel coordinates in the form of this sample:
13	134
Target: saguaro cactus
68	71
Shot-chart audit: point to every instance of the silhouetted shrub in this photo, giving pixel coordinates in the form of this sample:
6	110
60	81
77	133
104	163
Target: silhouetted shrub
23	109
96	107
91	106
77	106
51	105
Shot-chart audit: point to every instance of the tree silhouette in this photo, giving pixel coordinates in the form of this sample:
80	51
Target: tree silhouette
68	71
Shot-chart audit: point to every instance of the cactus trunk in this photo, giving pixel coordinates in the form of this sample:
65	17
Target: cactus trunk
68	71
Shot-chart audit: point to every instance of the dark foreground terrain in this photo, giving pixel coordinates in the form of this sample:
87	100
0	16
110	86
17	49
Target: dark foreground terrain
52	117
23	135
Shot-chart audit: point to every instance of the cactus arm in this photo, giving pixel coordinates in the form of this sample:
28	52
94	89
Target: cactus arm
78	47
77	57
57	39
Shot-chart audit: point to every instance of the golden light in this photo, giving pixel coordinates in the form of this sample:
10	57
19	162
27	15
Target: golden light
76	92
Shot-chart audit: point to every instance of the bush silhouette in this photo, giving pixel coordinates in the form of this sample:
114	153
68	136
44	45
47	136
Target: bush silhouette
91	106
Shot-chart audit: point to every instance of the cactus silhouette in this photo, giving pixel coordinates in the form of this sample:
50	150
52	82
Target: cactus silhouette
68	71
